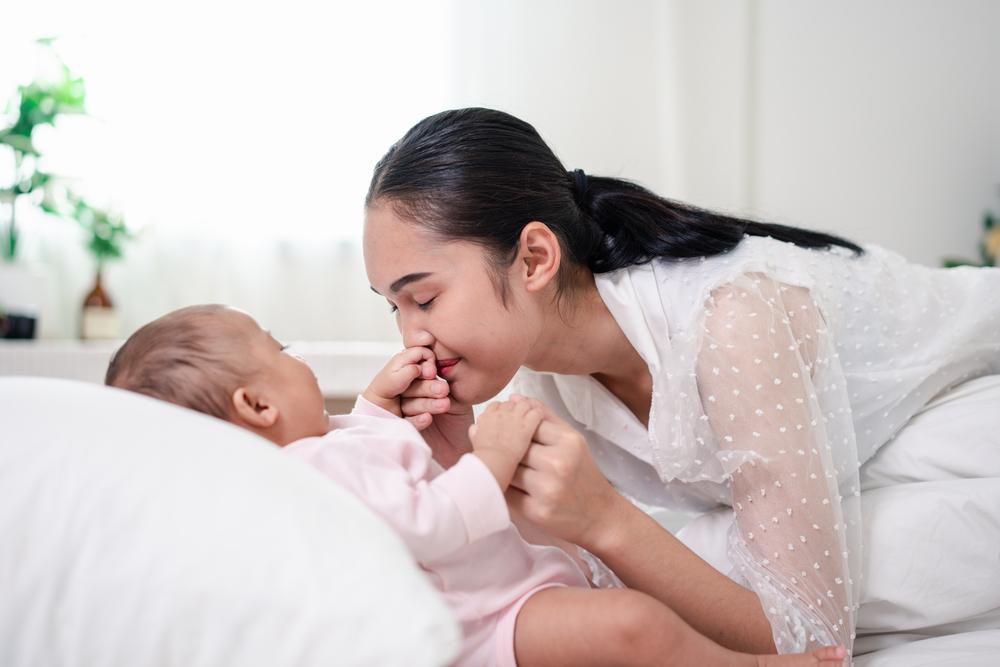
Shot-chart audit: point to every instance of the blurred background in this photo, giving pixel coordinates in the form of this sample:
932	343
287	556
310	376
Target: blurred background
227	147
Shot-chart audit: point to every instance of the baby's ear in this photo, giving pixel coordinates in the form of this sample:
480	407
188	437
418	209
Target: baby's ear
254	409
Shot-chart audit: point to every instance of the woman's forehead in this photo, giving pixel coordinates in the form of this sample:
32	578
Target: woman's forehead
395	248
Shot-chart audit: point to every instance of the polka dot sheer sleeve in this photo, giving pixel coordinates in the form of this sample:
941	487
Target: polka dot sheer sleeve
771	388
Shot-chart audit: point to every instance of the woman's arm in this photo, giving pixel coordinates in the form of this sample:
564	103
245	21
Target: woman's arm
648	558
776	399
559	487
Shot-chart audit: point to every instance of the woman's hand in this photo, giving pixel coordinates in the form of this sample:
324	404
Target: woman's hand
559	487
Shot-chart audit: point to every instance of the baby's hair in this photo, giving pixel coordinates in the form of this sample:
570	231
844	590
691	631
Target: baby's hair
188	357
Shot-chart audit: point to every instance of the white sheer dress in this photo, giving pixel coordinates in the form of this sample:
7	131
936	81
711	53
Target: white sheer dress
777	371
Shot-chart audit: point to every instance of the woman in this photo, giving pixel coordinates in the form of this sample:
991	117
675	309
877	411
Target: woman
707	360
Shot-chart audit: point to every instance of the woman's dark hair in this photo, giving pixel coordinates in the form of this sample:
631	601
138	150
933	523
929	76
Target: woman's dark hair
481	175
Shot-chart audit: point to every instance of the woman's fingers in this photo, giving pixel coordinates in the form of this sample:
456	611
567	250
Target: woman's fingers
526	479
517	500
538	456
426	389
415	406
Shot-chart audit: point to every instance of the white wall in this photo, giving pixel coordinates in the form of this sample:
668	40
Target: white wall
588	74
879	121
876	120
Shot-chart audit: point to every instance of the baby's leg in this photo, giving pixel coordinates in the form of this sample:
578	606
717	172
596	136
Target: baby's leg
618	627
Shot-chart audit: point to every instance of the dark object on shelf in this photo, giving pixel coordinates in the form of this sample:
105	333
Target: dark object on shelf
21	327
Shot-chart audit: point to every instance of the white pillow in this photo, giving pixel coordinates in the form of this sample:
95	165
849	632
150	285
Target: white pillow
956	436
136	533
931	552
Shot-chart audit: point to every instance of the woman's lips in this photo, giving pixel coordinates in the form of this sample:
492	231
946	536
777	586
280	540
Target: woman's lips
446	366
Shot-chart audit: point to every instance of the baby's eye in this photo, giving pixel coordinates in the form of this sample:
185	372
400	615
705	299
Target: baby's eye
426	304
393	309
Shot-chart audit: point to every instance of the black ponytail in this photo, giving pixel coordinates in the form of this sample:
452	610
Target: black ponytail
481	175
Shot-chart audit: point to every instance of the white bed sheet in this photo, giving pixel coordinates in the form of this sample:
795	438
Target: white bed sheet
969	649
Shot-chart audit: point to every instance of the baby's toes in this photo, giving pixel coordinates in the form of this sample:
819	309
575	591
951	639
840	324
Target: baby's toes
830	656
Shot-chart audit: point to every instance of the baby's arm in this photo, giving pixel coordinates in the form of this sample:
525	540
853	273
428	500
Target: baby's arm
389	469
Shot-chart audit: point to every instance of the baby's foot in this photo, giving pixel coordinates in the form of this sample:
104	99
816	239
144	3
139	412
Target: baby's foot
830	656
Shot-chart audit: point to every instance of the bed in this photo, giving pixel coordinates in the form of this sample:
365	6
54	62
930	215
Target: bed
136	532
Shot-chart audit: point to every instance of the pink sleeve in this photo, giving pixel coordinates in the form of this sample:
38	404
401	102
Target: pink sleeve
364	407
435	516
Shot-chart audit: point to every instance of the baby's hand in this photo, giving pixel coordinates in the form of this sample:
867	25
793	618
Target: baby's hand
503	434
412	365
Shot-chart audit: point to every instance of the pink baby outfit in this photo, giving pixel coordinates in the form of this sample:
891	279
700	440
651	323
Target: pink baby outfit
455	522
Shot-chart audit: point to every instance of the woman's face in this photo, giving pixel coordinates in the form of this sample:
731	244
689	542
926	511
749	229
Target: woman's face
444	299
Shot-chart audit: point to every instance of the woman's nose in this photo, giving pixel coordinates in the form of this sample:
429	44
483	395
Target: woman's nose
416	336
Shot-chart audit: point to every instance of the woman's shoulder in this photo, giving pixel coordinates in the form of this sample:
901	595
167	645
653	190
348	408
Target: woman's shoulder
677	292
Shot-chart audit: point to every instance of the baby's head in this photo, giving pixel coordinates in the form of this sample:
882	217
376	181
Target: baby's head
218	360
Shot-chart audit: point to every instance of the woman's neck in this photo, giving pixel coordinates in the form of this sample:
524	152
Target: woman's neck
585	339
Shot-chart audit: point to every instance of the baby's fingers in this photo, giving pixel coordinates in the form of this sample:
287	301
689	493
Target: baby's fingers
426	389
530	415
421	356
400	378
547	413
830	655
424	358
421	421
415	406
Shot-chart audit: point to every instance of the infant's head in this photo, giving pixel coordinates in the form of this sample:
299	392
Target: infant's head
218	360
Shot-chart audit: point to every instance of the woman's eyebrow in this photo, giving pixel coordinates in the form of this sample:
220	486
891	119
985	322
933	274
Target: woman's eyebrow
404	281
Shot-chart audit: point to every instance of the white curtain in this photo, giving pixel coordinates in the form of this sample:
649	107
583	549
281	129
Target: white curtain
240	137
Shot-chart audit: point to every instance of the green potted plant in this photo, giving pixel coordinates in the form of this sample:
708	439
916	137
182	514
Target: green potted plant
105	233
989	247
38	103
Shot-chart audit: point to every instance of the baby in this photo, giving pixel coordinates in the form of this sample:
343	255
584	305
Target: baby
518	603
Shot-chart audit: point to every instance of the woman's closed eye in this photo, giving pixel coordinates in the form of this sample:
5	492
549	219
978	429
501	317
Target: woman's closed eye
393	308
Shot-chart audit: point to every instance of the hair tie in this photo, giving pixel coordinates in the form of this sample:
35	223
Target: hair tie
580	181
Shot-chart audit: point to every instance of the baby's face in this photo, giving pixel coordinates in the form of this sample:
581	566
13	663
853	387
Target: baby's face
291	384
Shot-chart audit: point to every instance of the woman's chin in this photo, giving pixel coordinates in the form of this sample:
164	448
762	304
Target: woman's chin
477	395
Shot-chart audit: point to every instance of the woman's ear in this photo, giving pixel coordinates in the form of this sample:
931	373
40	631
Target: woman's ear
539	255
254	409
